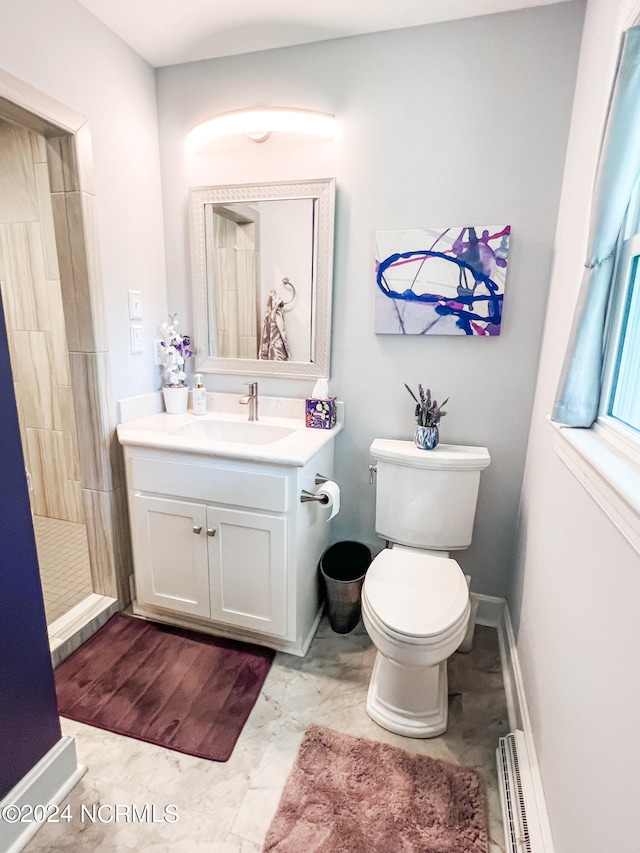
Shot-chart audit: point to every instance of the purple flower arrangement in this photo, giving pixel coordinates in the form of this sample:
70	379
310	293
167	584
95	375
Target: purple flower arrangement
176	349
427	413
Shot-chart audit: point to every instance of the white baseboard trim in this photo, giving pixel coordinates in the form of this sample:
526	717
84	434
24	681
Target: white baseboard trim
48	783
494	612
490	610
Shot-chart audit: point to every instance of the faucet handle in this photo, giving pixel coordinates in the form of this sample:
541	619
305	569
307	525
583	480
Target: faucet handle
251	400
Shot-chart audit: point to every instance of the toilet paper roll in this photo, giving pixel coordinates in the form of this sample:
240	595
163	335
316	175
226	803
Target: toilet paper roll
332	492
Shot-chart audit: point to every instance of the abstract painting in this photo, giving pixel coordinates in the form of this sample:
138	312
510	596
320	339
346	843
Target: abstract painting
441	281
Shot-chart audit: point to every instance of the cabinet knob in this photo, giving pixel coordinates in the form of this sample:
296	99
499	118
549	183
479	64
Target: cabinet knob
197	528
211	531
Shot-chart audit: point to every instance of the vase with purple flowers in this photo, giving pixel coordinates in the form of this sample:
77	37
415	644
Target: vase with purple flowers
175	349
428	414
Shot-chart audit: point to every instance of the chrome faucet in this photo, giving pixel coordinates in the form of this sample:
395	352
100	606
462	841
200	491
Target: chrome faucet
251	400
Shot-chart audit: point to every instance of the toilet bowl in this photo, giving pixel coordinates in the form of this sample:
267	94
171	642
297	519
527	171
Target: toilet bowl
415	598
415	608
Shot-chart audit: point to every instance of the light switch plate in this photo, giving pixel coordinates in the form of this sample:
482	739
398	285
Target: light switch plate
135	305
137	338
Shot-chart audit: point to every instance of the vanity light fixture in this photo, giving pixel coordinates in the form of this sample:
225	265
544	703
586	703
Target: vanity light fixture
258	123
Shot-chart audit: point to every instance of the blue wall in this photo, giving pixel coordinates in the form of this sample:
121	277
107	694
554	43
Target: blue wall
29	724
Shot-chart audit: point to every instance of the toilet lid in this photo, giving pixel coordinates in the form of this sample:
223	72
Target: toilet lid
416	594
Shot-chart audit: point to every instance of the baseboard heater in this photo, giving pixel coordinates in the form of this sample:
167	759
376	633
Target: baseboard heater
517	794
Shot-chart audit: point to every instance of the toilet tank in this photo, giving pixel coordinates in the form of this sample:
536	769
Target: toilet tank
427	498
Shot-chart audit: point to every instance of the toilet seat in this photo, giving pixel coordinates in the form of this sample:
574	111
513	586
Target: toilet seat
414	596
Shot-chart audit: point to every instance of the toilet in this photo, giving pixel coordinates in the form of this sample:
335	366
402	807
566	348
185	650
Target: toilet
415	598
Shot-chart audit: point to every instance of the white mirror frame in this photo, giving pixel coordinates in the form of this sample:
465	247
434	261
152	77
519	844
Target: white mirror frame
322	189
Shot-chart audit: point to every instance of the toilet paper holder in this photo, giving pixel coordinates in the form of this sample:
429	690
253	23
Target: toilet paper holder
306	495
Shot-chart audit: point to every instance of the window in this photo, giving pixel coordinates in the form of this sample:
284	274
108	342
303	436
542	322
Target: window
605	455
620	400
606	458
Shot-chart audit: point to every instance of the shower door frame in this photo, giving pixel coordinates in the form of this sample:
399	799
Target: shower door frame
75	220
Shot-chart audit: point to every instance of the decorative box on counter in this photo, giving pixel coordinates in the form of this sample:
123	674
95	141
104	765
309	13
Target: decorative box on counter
320	414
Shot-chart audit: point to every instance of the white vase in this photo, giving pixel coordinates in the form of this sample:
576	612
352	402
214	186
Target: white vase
176	399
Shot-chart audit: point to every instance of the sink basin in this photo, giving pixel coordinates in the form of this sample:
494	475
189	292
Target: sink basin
280	437
237	432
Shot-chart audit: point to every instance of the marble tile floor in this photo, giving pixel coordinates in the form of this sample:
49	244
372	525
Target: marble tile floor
227	807
63	555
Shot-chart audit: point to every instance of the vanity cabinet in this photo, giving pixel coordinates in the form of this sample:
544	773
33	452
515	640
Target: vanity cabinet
223	564
171	563
248	569
226	546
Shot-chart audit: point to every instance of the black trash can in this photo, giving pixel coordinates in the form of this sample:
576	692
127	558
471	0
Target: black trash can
343	567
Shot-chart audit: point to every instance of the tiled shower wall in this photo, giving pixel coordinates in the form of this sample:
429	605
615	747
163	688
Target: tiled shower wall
67	143
31	292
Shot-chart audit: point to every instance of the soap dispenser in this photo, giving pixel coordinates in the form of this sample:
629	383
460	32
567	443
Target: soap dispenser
199	397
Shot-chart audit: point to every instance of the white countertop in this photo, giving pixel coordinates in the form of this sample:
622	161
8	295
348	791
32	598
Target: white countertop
297	448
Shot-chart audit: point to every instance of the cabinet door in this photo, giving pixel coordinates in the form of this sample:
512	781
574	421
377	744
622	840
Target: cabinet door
247	558
170	552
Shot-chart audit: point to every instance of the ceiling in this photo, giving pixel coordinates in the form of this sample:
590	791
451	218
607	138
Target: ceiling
168	32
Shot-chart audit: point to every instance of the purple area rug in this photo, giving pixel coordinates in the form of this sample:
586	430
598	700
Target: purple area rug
175	688
350	795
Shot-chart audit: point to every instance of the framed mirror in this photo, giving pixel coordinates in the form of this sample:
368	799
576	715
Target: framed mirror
262	267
